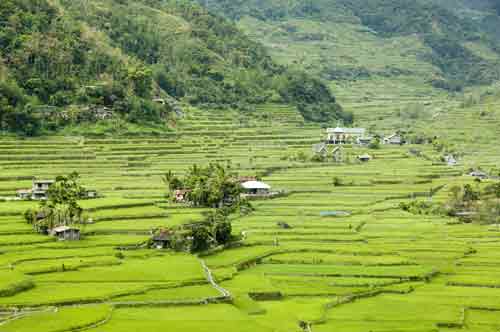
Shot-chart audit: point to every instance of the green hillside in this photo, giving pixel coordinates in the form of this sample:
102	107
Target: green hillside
448	45
62	62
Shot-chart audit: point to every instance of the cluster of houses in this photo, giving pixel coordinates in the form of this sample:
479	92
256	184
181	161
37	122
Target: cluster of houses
336	137
358	136
39	191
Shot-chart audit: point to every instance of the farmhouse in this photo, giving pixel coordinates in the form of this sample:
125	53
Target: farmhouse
256	188
340	135
365	158
395	139
66	233
39	190
324	150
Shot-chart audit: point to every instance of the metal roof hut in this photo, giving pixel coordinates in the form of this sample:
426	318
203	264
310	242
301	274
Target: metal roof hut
395	139
365	158
66	233
162	239
256	188
479	174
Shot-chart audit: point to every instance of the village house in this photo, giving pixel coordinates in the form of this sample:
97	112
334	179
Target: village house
256	189
39	190
66	233
340	135
324	150
395	139
364	158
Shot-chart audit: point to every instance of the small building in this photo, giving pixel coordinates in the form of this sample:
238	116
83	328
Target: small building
24	193
180	195
338	155
90	194
66	233
364	158
340	135
320	149
479	175
256	188
395	139
365	140
40	189
162	239
283	225
450	160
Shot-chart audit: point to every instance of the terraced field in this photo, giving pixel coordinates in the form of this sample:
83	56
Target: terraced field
376	269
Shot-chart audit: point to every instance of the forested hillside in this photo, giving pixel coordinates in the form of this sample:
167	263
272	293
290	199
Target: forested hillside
67	62
453	43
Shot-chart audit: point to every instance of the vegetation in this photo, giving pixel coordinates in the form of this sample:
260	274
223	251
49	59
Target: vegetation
61	207
71	62
440	26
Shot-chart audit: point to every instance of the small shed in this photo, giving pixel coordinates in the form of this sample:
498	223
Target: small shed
24	193
395	139
479	174
180	195
162	240
66	233
364	158
365	140
256	188
91	193
283	225
450	160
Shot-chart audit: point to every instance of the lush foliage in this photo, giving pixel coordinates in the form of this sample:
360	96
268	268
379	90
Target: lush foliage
61	207
69	62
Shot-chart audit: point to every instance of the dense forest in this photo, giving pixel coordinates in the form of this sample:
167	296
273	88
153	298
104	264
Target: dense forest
69	61
443	26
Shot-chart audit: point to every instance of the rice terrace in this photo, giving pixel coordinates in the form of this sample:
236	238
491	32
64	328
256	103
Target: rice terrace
188	174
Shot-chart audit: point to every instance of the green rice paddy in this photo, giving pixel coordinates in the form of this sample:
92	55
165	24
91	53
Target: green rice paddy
377	269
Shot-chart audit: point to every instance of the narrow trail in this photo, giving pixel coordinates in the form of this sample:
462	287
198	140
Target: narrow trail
224	292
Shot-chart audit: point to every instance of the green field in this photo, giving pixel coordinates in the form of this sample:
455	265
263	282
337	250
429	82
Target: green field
378	269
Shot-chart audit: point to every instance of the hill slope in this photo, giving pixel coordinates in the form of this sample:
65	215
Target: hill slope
66	61
449	44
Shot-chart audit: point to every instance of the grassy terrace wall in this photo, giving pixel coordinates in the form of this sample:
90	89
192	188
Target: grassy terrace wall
379	269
